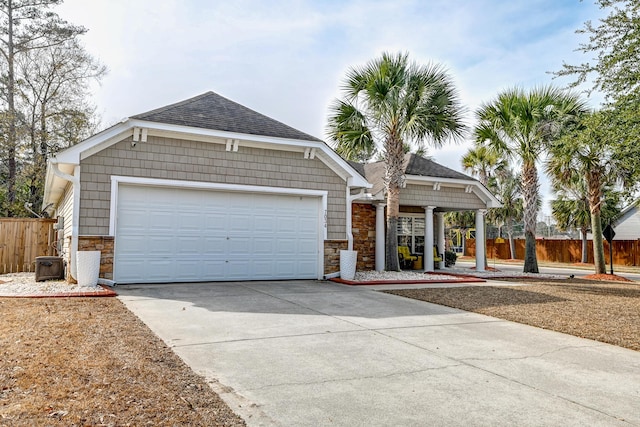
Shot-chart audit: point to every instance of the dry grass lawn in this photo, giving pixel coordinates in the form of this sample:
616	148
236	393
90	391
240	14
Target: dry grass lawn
89	361
604	311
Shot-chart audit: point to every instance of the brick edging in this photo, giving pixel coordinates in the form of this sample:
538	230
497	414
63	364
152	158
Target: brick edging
459	279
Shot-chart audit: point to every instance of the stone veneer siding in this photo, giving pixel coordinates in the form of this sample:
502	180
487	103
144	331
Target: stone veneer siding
104	244
332	250
363	227
178	159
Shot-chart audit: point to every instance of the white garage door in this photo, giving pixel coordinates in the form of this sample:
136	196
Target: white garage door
186	235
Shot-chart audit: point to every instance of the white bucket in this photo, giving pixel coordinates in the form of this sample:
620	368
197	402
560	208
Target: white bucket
348	261
88	263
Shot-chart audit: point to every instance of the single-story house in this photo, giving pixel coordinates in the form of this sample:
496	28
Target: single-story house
627	227
209	190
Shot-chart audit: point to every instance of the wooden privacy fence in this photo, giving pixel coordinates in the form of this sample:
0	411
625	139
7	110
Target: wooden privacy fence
24	239
625	252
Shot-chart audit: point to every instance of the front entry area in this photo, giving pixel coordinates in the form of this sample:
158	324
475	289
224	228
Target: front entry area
176	234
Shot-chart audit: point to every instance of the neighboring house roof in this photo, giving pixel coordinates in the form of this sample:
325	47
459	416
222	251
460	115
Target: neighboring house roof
627	227
212	111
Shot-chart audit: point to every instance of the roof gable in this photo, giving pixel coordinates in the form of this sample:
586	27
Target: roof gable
412	165
212	111
421	171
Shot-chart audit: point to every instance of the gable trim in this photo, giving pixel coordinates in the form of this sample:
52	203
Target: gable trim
130	127
470	186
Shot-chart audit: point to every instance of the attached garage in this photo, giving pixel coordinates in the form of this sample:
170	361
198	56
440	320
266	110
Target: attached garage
182	234
204	189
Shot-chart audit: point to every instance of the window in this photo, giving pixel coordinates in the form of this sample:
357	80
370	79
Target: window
411	233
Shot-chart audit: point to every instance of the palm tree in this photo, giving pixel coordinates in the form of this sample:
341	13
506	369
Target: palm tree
387	103
483	162
519	125
573	213
587	154
507	190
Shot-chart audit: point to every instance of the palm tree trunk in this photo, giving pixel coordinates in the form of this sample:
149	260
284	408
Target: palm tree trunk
394	154
583	236
595	200
598	244
393	210
530	204
512	243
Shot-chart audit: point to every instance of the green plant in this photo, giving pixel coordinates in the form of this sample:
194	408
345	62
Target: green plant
450	258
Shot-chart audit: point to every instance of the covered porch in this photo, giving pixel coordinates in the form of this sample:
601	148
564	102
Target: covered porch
430	191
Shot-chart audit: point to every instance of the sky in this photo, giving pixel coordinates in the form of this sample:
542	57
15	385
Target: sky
287	58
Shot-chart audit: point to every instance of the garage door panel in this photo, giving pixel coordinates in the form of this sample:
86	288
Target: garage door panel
158	269
213	245
304	247
189	269
212	268
161	220
263	223
159	245
134	219
169	234
286	267
239	246
286	223
132	244
214	220
190	245
263	246
189	222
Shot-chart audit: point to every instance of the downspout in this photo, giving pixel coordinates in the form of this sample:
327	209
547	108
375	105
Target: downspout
75	216
350	199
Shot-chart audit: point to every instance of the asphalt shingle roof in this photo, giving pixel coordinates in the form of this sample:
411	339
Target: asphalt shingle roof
416	165
413	165
212	111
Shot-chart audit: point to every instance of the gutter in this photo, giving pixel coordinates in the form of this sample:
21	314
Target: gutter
75	182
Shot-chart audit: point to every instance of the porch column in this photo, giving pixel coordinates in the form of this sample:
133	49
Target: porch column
480	242
427	257
440	235
380	237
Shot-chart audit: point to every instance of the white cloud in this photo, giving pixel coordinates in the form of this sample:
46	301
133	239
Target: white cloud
287	58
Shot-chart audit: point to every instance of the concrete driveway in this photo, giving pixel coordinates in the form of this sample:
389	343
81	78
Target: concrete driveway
306	353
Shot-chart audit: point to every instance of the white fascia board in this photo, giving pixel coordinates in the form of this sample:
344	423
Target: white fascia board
329	157
93	144
477	187
54	186
118	132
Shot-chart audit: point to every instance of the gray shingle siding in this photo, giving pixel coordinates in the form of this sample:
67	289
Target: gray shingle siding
448	197
177	159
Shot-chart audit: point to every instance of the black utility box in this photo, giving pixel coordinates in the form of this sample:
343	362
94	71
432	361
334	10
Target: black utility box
49	268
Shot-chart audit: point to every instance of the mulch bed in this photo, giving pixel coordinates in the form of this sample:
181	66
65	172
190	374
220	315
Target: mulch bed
90	361
607	277
603	311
